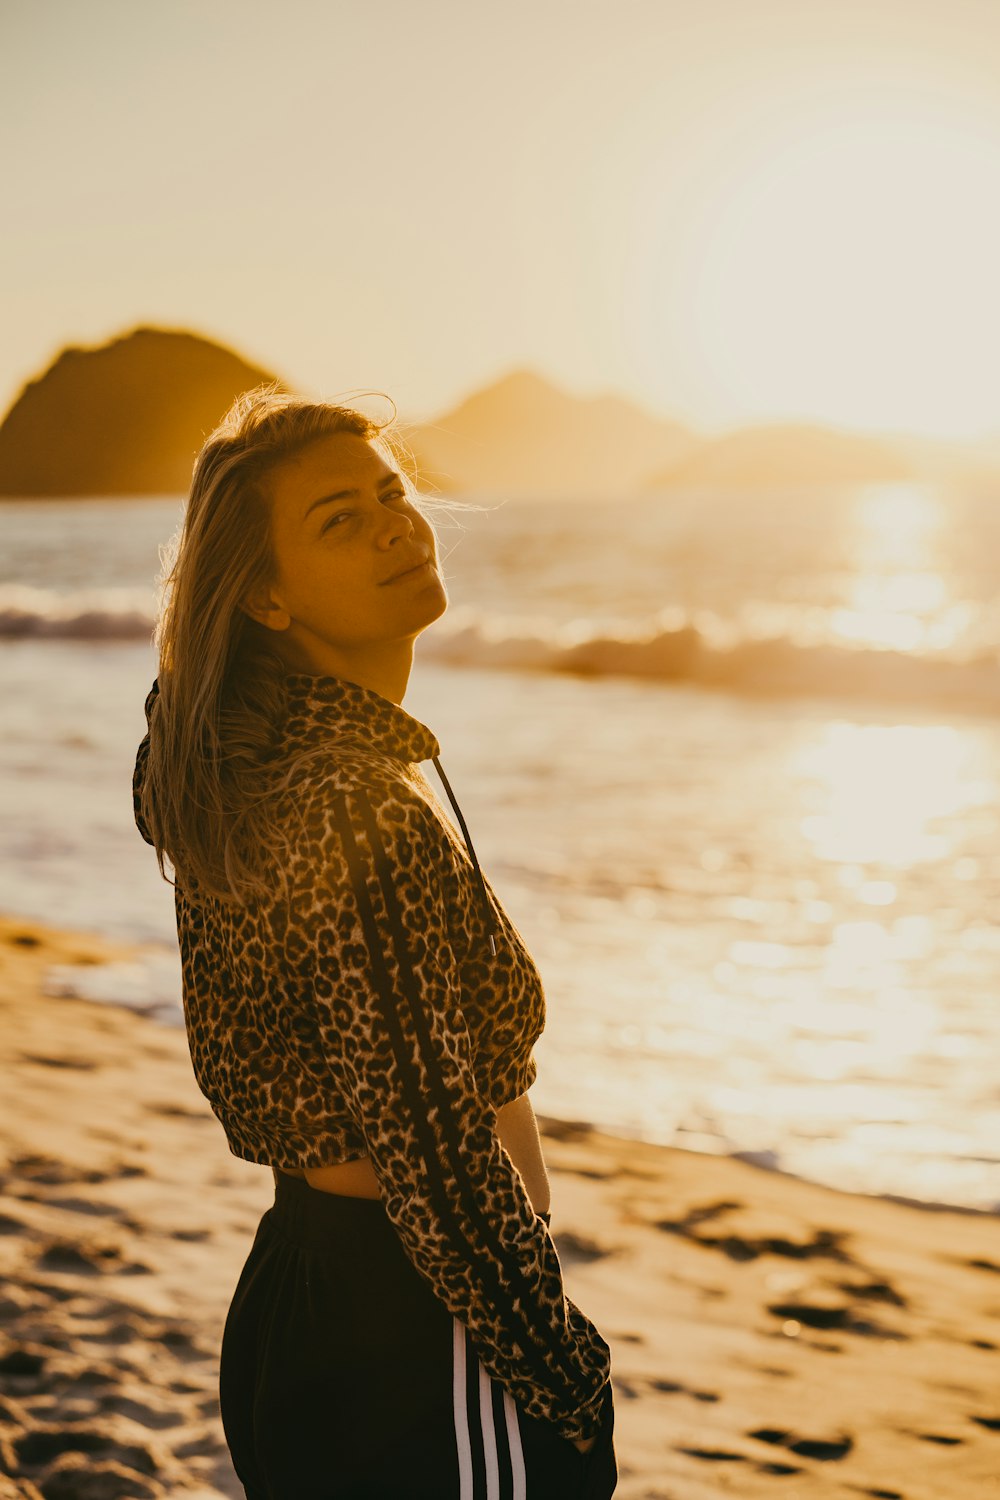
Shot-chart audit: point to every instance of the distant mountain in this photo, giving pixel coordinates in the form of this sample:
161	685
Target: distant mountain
128	418
784	454
125	418
524	437
963	464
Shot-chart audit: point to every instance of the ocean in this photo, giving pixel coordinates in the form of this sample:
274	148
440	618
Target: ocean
731	761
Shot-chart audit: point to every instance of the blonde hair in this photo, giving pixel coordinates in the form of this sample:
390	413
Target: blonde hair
213	763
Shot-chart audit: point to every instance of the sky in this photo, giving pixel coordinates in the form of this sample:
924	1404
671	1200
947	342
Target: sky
733	212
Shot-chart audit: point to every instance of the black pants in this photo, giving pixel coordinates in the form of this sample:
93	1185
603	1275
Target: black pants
344	1377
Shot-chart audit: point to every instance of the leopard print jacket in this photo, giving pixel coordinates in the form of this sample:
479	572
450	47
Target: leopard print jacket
386	1004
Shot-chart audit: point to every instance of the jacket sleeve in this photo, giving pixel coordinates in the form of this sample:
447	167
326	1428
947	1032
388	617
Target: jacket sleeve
391	1025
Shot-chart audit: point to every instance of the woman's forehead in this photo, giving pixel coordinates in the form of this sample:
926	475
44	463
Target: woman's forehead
340	461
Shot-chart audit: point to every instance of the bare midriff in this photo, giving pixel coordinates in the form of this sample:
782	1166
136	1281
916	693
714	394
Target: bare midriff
517	1130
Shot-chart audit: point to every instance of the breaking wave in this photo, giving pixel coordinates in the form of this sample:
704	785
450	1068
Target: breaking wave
112	614
776	666
683	653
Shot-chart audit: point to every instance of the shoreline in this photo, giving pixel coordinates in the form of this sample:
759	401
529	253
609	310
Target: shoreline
768	1334
148	953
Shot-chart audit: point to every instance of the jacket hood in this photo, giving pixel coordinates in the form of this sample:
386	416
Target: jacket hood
142	756
333	708
322	707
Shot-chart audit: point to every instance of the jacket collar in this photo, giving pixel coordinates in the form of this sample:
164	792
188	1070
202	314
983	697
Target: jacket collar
319	706
323	706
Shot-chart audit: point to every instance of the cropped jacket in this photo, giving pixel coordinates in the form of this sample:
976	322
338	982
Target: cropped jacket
382	1002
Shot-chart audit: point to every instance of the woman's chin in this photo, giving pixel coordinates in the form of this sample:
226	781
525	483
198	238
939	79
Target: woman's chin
434	602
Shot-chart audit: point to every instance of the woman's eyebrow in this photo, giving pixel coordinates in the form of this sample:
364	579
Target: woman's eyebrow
383	483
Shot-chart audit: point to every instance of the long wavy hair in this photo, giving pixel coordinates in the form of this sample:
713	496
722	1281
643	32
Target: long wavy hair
214	763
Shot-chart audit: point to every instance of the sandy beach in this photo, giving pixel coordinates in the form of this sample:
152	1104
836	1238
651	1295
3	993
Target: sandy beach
769	1337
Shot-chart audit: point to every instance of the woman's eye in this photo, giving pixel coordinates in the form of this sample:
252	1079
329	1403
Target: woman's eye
329	525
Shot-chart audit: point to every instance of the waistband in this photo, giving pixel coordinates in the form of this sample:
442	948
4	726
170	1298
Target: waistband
311	1216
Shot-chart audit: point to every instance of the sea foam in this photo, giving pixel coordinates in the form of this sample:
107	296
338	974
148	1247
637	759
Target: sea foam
776	666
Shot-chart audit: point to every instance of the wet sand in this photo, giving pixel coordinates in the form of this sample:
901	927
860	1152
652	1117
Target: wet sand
769	1337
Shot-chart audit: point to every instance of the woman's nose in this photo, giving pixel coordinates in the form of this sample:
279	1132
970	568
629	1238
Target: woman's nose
395	526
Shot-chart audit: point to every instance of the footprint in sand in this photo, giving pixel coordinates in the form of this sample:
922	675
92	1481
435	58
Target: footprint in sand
156	1418
678	1387
86	1206
806	1447
76	1476
15	1302
180	1112
824	1244
116	1334
201	1445
726	1455
96	1309
874	1291
21	1361
66	1258
78	1064
47	1172
714	1455
182	1343
832	1315
38	1447
49	1291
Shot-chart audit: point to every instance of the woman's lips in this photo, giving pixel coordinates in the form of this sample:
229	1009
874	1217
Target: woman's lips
411	572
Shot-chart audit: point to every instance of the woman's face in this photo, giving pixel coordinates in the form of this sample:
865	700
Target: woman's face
342	527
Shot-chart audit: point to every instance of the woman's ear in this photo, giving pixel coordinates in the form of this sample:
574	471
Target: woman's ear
262	605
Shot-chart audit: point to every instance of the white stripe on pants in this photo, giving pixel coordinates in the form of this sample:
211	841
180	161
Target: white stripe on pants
463	1355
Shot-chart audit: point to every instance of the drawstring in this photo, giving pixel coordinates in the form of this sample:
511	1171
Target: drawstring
482	884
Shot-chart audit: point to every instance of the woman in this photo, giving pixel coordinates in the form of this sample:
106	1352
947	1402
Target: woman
359	1007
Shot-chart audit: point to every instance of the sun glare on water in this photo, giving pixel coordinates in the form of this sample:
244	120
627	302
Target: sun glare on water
898	598
882	793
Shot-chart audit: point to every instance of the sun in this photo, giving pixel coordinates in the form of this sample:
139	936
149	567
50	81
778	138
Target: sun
845	269
857	266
